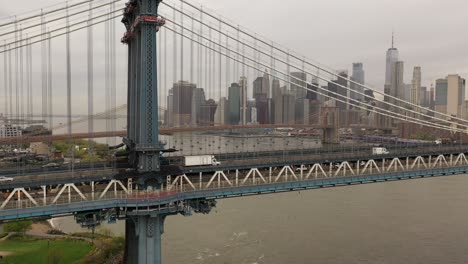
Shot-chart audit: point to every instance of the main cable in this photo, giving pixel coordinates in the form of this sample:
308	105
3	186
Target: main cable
326	70
391	114
324	79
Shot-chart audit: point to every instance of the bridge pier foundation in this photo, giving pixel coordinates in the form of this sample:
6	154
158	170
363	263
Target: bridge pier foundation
143	239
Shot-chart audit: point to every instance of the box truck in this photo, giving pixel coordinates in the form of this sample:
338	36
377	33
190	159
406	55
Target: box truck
379	151
201	160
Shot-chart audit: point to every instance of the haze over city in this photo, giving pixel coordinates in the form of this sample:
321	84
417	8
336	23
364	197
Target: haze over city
334	33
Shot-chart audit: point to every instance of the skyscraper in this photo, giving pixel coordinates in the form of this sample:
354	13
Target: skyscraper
221	113
450	95
170	109
257	87
392	58
337	90
207	113
182	103
266	84
358	77
243	100
277	96
416	86
298	84
198	99
234	103
398	85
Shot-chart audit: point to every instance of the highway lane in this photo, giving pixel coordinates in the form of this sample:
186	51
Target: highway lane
229	162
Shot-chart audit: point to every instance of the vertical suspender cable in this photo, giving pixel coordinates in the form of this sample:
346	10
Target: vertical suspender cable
28	106
10	83
69	109
49	82
182	43
175	111
165	77
191	56
21	75
219	61
16	72
90	85
107	78
5	80
113	87
43	67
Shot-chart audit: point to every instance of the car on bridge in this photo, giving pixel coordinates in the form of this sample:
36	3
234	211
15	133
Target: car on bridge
52	165
5	179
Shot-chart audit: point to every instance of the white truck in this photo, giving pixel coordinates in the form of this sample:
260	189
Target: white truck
201	160
379	151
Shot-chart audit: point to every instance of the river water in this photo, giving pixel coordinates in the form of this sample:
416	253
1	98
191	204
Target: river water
416	221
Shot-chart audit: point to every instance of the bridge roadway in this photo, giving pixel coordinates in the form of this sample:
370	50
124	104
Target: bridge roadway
176	198
34	177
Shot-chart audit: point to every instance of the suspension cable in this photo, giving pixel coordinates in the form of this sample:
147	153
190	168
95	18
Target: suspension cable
327	80
323	69
391	114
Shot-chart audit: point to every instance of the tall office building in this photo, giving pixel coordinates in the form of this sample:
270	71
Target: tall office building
207	113
302	111
277	96
169	122
298	84
182	103
392	58
198	99
243	100
234	103
289	105
358	77
257	87
221	114
450	95
251	112
408	92
432	98
312	91
266	84
337	90
416	86
424	96
398	86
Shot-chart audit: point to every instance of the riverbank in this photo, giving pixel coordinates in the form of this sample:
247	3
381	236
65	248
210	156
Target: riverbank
43	243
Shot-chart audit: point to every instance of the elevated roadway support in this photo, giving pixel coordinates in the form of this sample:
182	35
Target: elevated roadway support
144	230
143	239
330	120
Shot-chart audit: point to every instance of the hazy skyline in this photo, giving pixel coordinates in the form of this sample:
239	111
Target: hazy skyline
337	33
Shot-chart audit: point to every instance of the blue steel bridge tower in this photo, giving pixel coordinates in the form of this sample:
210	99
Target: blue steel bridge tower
142	23
143	230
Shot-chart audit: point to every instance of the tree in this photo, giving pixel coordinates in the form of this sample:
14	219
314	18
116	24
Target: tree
18	226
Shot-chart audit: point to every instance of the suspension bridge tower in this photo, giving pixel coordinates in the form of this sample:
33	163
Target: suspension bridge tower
142	23
143	229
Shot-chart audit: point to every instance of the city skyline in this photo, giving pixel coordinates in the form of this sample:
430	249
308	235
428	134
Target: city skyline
447	55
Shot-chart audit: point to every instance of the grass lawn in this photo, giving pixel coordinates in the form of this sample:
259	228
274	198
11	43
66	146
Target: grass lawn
32	250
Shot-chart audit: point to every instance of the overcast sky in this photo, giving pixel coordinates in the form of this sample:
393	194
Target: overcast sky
432	34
